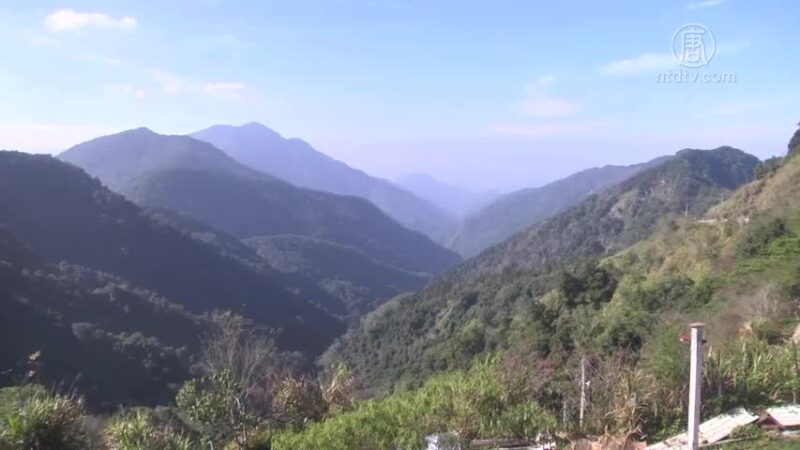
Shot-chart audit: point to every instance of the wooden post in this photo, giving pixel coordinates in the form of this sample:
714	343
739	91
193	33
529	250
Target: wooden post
695	385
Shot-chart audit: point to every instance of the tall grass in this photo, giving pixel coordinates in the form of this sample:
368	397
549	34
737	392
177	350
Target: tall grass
31	418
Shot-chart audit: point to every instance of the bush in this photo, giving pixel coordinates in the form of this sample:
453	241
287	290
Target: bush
757	238
140	430
477	402
768	167
31	418
750	431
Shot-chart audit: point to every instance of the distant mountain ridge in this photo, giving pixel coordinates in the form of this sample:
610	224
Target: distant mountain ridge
690	182
162	172
515	211
456	200
297	162
245	202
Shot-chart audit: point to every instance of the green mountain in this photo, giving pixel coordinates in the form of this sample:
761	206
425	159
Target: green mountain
794	143
345	272
297	162
230	247
65	215
544	286
689	183
246	203
513	212
84	329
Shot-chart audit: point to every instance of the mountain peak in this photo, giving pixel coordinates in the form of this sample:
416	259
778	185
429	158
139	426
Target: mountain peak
794	143
255	126
140	131
120	158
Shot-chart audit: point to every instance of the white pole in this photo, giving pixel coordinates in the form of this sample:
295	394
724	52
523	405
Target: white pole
695	385
583	390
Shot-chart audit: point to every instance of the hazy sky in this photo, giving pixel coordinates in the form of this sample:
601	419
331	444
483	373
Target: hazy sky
493	94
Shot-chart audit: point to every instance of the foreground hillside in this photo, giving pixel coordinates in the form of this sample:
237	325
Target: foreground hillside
503	295
297	162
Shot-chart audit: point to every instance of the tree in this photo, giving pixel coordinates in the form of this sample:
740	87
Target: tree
233	399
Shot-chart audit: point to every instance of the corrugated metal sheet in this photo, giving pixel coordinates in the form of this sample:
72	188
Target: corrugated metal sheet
711	431
786	416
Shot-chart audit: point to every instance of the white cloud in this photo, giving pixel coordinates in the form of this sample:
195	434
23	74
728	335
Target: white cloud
541	82
547	107
120	87
539	103
747	107
46	137
127	89
704	4
223	87
158	81
647	63
549	129
67	20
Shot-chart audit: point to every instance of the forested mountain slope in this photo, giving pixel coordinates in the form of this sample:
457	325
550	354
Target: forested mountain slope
515	211
193	177
297	162
64	215
543	285
361	283
605	223
71	326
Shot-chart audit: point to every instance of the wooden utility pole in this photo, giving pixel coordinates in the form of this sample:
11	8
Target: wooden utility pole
695	385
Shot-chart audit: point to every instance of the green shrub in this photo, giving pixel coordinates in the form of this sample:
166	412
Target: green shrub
472	403
750	431
758	237
141	431
31	418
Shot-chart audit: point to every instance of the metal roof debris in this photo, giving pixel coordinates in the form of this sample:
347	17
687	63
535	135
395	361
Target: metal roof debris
711	431
784	416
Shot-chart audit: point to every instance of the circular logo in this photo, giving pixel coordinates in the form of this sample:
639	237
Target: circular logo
693	45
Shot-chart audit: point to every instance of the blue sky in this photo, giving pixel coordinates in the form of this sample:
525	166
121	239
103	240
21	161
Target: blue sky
499	94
